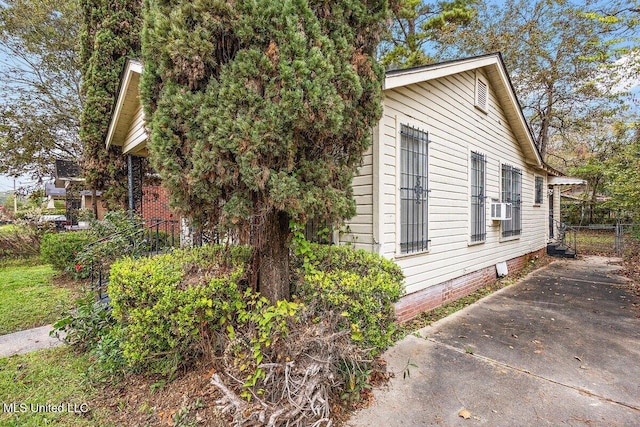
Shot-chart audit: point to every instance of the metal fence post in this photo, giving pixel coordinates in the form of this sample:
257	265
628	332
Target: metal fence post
619	238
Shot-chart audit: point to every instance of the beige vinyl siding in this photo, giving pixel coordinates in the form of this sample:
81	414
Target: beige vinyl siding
136	135
358	231
445	108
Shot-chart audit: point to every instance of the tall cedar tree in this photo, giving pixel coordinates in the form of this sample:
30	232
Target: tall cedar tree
110	33
260	112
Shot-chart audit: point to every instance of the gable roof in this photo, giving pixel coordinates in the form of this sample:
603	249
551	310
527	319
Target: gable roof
126	103
498	76
128	100
67	169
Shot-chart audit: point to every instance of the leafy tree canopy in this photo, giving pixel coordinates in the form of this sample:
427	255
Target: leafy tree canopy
40	85
557	53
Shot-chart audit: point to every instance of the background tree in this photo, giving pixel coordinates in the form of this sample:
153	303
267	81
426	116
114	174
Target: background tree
416	28
260	112
622	175
40	85
556	54
110	33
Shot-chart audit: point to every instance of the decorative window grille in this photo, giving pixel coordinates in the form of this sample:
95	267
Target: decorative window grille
318	231
512	193
539	190
414	203
478	197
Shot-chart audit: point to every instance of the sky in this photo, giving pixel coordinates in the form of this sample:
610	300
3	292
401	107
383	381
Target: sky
6	183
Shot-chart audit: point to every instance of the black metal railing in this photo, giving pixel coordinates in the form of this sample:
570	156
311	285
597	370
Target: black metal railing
566	235
140	240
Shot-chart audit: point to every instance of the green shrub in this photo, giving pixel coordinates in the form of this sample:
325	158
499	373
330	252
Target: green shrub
116	236
257	327
168	304
60	250
360	285
85	325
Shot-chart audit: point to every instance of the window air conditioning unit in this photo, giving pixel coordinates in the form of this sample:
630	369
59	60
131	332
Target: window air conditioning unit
500	211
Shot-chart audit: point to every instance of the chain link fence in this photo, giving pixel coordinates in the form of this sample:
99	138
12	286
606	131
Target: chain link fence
605	239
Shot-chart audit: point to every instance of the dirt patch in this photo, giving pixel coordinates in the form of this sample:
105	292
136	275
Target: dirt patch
77	286
140	400
190	399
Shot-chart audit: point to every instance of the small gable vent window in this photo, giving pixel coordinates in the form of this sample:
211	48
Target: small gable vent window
482	93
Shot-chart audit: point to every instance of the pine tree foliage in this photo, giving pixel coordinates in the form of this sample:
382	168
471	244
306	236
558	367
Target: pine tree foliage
110	34
418	26
260	112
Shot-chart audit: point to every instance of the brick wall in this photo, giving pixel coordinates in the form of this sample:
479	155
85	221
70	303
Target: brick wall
427	299
155	204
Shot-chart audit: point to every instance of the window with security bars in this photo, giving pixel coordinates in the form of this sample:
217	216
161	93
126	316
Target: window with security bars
512	193
478	196
414	203
539	190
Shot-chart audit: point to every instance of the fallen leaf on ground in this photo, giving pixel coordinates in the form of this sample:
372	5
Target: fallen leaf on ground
464	414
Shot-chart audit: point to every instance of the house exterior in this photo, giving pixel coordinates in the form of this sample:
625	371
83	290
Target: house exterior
452	140
451	151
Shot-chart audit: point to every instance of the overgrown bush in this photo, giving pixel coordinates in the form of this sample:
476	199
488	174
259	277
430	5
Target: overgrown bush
118	235
60	250
111	238
359	285
20	240
277	363
168	304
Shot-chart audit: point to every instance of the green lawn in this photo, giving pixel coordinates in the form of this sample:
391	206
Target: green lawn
43	380
28	298
595	242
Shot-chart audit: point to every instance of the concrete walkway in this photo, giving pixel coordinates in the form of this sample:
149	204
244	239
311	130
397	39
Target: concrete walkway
561	347
26	341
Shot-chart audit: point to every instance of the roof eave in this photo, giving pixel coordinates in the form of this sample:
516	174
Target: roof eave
508	99
131	68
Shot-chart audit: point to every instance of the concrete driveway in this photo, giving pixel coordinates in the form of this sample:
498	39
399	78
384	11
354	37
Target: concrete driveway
561	347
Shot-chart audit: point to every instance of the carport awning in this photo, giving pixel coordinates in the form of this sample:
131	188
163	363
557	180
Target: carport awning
565	180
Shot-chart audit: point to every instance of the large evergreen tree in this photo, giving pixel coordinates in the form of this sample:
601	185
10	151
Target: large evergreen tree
260	112
110	33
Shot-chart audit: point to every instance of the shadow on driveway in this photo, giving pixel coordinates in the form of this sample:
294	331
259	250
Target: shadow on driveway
561	347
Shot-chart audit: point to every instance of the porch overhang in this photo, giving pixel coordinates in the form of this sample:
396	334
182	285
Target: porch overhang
565	180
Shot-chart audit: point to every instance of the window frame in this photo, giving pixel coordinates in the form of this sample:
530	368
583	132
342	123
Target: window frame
477	198
511	192
412	225
538	191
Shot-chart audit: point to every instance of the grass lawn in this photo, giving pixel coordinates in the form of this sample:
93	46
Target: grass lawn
54	377
28	297
595	242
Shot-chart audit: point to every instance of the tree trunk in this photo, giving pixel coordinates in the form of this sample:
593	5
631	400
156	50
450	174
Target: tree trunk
94	203
273	256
